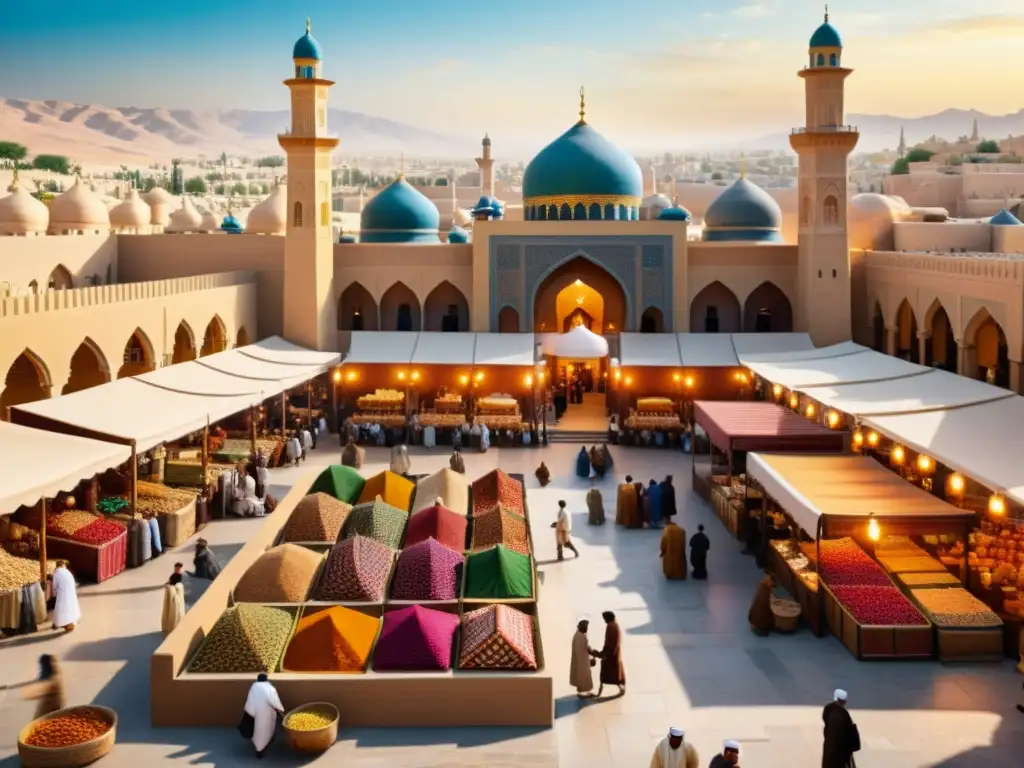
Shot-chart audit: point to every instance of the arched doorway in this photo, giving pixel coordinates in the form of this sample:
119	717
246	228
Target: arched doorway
27	381
715	310
60	279
508	320
652	321
138	355
357	311
184	344
906	333
445	309
399	309
940	348
580	284
878	330
990	349
767	310
215	339
242	337
89	368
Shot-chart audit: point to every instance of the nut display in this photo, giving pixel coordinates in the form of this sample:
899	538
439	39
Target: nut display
797	561
878	606
16	572
167	503
67	524
955	607
928	579
67	730
309	720
497	488
246	638
283	574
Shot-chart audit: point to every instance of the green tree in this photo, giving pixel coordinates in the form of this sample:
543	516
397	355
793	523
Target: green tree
195	186
902	166
212	177
271	161
265	189
219	189
53	163
12	152
988	147
254	189
239	189
177	179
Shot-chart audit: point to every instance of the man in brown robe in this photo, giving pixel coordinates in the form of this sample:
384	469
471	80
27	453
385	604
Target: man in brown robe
673	552
627	508
352	455
456	463
543	474
612	671
761	619
580	675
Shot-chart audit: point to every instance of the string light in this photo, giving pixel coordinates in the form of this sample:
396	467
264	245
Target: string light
401	375
777	391
925	463
351	376
873	439
794	401
833	420
809	410
336	376
956	484
415	375
996	505
874	529
688	382
858	439
463	379
529	380
898	455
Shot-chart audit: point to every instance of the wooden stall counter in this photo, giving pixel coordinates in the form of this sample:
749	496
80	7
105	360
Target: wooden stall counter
96	563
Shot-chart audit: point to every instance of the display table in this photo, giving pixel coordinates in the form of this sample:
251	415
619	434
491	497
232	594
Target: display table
89	562
809	598
177	527
730	510
876	641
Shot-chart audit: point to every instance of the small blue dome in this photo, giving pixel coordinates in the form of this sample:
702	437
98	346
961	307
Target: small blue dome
826	36
582	162
484	205
306	47
675	213
347	239
458	235
743	211
231	225
1005	219
399	214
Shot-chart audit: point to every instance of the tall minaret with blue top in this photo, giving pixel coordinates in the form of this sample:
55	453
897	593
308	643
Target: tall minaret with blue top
309	247
824	144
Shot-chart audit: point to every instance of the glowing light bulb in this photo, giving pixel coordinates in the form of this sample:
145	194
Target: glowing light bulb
629	381
777	391
898	454
925	463
479	377
809	410
336	375
996	505
858	438
415	375
874	529
688	382
956	484
794	401
677	377
529	380
351	376
872	439
463	379
833	419
401	375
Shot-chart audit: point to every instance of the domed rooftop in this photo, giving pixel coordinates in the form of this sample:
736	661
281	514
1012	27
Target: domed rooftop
22	214
484	205
159	201
675	213
458	235
210	222
870	220
399	213
133	213
743	211
306	47
826	36
1005	219
231	225
186	218
270	217
78	209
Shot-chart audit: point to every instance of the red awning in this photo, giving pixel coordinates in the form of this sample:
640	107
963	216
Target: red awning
745	426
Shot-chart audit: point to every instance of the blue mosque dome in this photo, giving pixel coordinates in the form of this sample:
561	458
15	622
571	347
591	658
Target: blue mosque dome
675	213
347	239
1005	218
743	211
826	36
231	225
306	47
484	205
399	214
458	235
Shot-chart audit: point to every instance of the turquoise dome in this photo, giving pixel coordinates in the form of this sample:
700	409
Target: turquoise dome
347	239
743	211
1005	218
399	214
306	47
675	213
581	163
231	225
484	205
458	235
826	36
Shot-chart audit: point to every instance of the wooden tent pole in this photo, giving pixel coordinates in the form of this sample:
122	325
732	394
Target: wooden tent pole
309	403
284	414
135	480
205	454
253	413
42	544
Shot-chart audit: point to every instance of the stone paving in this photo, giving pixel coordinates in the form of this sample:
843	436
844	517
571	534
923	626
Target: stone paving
690	659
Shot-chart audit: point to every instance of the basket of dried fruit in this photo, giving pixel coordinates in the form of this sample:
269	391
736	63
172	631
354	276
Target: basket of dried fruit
786	613
312	727
68	738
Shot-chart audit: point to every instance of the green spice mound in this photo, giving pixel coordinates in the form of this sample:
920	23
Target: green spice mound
376	520
499	574
246	638
343	483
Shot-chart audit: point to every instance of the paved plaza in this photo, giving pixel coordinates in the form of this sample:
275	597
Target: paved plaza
690	658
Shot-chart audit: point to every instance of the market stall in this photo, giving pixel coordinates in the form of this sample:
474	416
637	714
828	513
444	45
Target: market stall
846	506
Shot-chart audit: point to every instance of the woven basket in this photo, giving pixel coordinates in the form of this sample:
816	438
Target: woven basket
786	613
313	741
73	756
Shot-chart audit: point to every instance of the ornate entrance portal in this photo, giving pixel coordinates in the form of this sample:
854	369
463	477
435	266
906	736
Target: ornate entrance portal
579	293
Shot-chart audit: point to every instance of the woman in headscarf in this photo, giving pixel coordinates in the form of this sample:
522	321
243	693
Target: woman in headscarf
48	690
652	504
543	474
456	463
352	455
205	562
400	463
595	507
760	616
583	463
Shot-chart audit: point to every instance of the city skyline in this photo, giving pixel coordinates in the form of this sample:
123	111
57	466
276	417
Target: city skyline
717	70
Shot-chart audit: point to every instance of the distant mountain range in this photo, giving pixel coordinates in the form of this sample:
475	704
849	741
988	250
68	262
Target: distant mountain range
878	132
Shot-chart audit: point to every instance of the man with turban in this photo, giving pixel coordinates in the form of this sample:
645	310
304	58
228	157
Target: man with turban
674	752
842	738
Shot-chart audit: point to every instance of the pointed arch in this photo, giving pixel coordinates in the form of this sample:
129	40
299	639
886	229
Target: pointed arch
357	311
617	309
60	279
184	344
445	309
215	339
830	210
940	349
652	321
508	320
988	338
767	310
297	215
878	329
715	309
907	346
27	380
400	309
89	368
929	313
242	337
138	355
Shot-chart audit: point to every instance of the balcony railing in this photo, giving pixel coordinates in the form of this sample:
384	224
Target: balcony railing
826	129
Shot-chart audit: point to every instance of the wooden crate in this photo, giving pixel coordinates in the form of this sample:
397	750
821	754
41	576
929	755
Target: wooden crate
970	644
877	642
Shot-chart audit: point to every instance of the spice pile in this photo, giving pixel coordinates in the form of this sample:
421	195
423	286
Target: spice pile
416	639
158	499
336	639
498	573
928	579
356	570
878	606
343	483
99	532
440	523
317	517
391	488
497	637
16	572
500	525
246	638
67	524
309	720
497	488
283	574
844	563
449	486
427	571
68	730
376	520
955	607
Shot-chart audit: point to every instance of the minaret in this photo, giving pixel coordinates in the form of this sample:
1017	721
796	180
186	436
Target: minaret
309	247
974	131
901	149
824	144
486	166
650	180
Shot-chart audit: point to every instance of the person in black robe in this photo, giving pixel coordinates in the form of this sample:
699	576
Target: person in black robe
699	546
205	562
668	499
597	457
583	463
543	474
841	736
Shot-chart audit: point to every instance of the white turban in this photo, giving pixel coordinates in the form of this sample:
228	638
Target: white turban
839	695
675	733
730	744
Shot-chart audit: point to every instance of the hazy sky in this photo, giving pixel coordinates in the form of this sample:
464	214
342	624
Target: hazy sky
653	69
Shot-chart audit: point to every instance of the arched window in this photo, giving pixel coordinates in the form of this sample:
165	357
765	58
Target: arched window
711	320
325	215
831	211
821	60
832	60
297	215
404	320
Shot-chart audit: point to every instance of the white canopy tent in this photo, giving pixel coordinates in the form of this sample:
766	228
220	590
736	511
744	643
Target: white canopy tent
707	350
653	350
262	375
437	348
818	353
36	464
856	367
193	378
513	349
381	348
277	350
771	343
579	343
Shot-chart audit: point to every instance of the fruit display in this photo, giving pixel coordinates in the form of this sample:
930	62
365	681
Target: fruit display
383	400
99	532
500	525
336	639
997	548
283	574
449	486
919	564
654	405
443	420
797	561
878	605
246	638
427	571
497	637
356	570
955	607
416	639
498	574
494	423
67	524
68	729
17	572
162	499
450	402
390	488
439	523
309	720
376	520
341	482
931	579
843	563
494	405
497	488
316	518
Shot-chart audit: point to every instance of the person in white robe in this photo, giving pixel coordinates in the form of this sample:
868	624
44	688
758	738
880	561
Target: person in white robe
485	438
400	463
66	611
294	450
263	705
429	437
581	675
307	442
674	752
322	426
174	606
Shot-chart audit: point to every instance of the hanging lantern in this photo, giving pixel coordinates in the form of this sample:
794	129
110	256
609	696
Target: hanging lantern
809	410
777	391
833	420
925	465
955	485
874	529
873	439
794	401
858	440
898	455
996	505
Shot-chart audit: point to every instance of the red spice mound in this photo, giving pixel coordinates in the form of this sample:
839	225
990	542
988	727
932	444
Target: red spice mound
879	606
99	532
